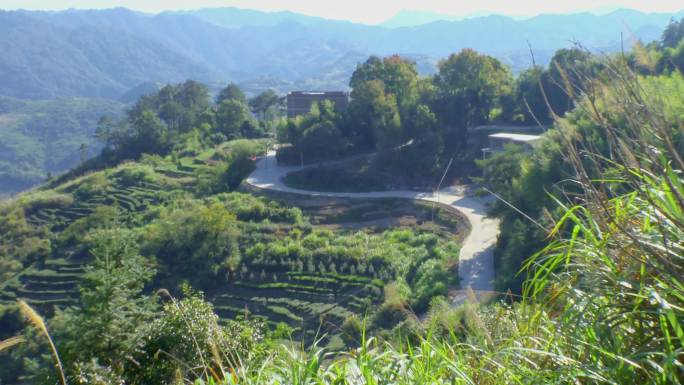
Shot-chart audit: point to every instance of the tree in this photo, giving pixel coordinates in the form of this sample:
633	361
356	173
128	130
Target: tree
469	86
673	34
231	115
531	105
563	81
157	122
150	135
189	335
180	106
193	243
105	328
321	140
262	102
316	135
671	59
375	116
231	92
399	76
424	154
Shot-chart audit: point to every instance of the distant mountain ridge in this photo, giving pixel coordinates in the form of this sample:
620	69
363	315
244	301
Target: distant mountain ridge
106	53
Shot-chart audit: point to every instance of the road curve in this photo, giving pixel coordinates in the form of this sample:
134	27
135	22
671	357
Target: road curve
476	260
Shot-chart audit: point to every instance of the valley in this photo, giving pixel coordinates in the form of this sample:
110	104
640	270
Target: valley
224	196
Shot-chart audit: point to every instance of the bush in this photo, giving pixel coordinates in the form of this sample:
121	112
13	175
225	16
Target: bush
35	201
194	243
102	217
133	175
191	338
95	184
352	331
393	311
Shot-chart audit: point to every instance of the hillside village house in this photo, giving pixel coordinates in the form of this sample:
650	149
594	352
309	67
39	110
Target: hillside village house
300	102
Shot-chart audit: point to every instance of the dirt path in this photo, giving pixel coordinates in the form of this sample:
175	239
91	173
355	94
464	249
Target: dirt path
476	261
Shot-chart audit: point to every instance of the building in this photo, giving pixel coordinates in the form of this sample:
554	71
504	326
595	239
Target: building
300	102
499	140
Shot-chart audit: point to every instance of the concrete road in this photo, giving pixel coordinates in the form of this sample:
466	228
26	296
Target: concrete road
476	261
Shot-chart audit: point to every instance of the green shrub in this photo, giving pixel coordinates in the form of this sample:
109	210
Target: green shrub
352	330
136	174
35	201
95	184
101	217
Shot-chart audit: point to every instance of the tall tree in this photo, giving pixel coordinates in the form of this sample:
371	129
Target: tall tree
231	116
105	328
262	102
531	105
316	134
469	86
399	76
564	79
231	92
673	34
375	115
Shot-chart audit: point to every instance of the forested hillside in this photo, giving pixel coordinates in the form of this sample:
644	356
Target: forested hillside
119	54
156	262
157	209
72	53
40	138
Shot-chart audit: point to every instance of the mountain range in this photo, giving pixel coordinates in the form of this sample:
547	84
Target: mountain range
106	53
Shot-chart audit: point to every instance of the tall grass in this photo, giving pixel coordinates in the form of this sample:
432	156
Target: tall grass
616	272
604	302
37	321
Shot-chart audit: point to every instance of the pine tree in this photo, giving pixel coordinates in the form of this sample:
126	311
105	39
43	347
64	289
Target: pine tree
106	327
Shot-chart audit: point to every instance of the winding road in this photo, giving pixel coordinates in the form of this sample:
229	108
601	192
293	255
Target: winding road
476	260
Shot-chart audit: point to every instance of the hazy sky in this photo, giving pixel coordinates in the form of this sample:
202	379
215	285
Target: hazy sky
365	11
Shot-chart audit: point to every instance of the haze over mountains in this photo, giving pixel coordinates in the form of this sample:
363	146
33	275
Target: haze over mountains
89	63
105	53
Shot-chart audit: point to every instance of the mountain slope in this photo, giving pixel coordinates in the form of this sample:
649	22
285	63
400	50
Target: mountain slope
106	52
232	17
38	137
42	59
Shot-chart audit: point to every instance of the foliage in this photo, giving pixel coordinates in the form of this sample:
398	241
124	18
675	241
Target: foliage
193	242
673	34
468	85
230	169
231	92
603	300
316	134
100	335
262	103
186	340
234	120
618	256
418	125
393	255
46	137
156	121
21	244
102	217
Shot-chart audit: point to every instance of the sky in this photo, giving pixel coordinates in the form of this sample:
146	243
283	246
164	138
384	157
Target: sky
365	11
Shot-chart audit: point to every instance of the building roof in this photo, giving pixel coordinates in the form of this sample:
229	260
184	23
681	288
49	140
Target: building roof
516	137
507	128
326	93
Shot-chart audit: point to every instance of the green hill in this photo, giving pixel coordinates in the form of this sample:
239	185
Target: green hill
43	137
282	263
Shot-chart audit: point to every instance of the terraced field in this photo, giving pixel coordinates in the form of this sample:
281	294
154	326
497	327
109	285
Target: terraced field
318	303
311	303
313	300
54	281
